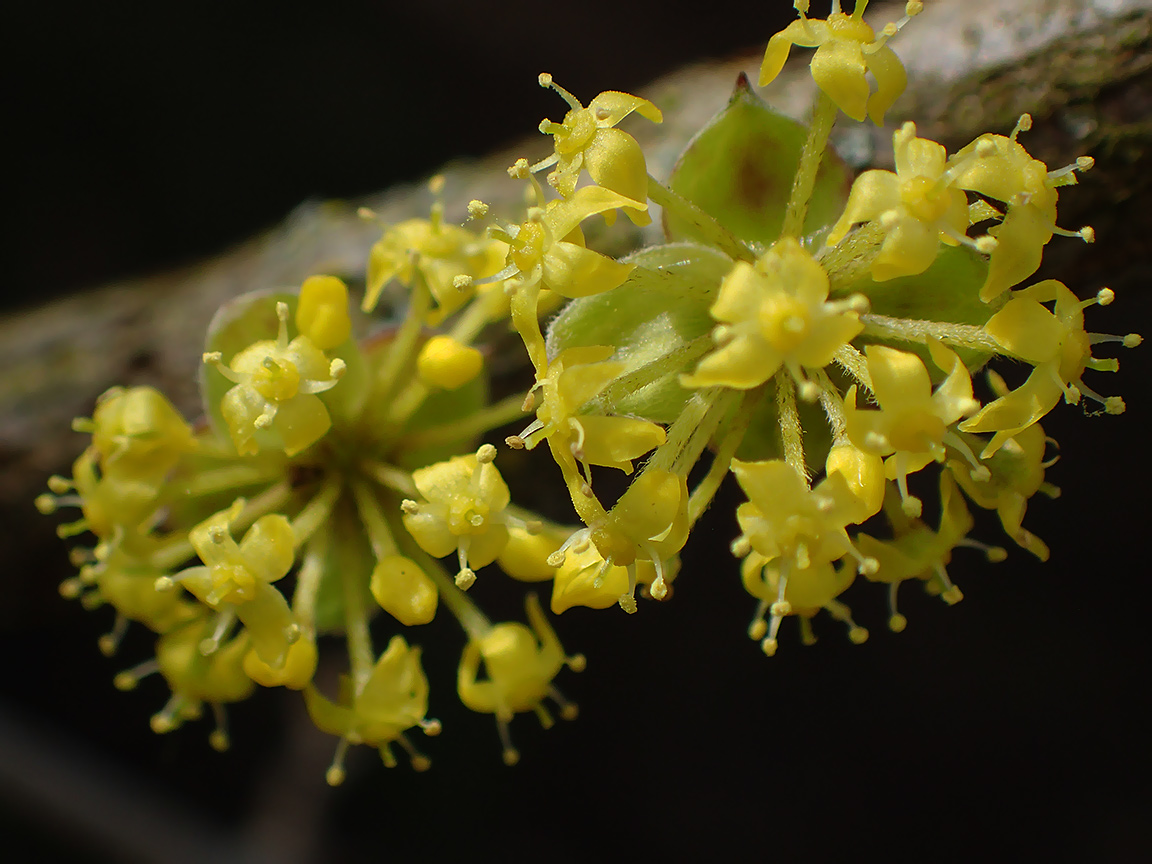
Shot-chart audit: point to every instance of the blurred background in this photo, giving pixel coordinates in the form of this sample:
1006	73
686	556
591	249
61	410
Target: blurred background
150	136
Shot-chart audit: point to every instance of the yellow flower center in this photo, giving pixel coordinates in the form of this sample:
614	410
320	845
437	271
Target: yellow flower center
528	246
915	430
843	26
784	322
277	380
924	200
577	130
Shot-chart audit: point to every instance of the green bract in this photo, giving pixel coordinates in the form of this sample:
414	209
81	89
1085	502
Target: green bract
739	170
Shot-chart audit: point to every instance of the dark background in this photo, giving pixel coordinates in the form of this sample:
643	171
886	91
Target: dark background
154	134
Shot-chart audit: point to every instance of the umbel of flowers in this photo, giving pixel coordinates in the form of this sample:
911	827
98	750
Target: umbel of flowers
819	345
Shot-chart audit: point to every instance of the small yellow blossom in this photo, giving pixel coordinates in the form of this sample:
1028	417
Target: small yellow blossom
574	377
547	250
138	434
588	139
917	206
586	578
194	678
1055	343
1000	168
439	253
238	577
649	523
520	664
783	590
274	403
918	552
462	511
913	421
784	519
846	50
775	314
295	672
392	699
114	507
1015	474
128	584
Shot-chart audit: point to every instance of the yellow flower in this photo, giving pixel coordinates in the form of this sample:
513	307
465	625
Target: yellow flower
128	584
586	578
440	253
588	139
195	678
918	207
391	700
547	250
918	552
1057	346
775	314
462	511
138	434
238	577
520	665
784	591
274	403
1000	168
115	508
785	520
846	50
1015	474
913	421
574	377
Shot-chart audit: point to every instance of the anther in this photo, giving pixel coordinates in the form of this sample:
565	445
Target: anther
465	579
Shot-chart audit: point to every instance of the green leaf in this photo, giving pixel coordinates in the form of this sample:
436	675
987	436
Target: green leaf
739	170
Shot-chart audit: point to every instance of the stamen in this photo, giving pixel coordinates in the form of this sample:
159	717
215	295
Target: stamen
218	740
951	594
896	621
545	80
336	773
129	678
511	754
109	642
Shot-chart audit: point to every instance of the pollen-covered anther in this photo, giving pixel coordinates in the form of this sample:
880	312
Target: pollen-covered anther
519	171
986	244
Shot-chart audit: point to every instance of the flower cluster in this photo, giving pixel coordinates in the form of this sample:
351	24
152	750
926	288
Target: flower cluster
340	492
